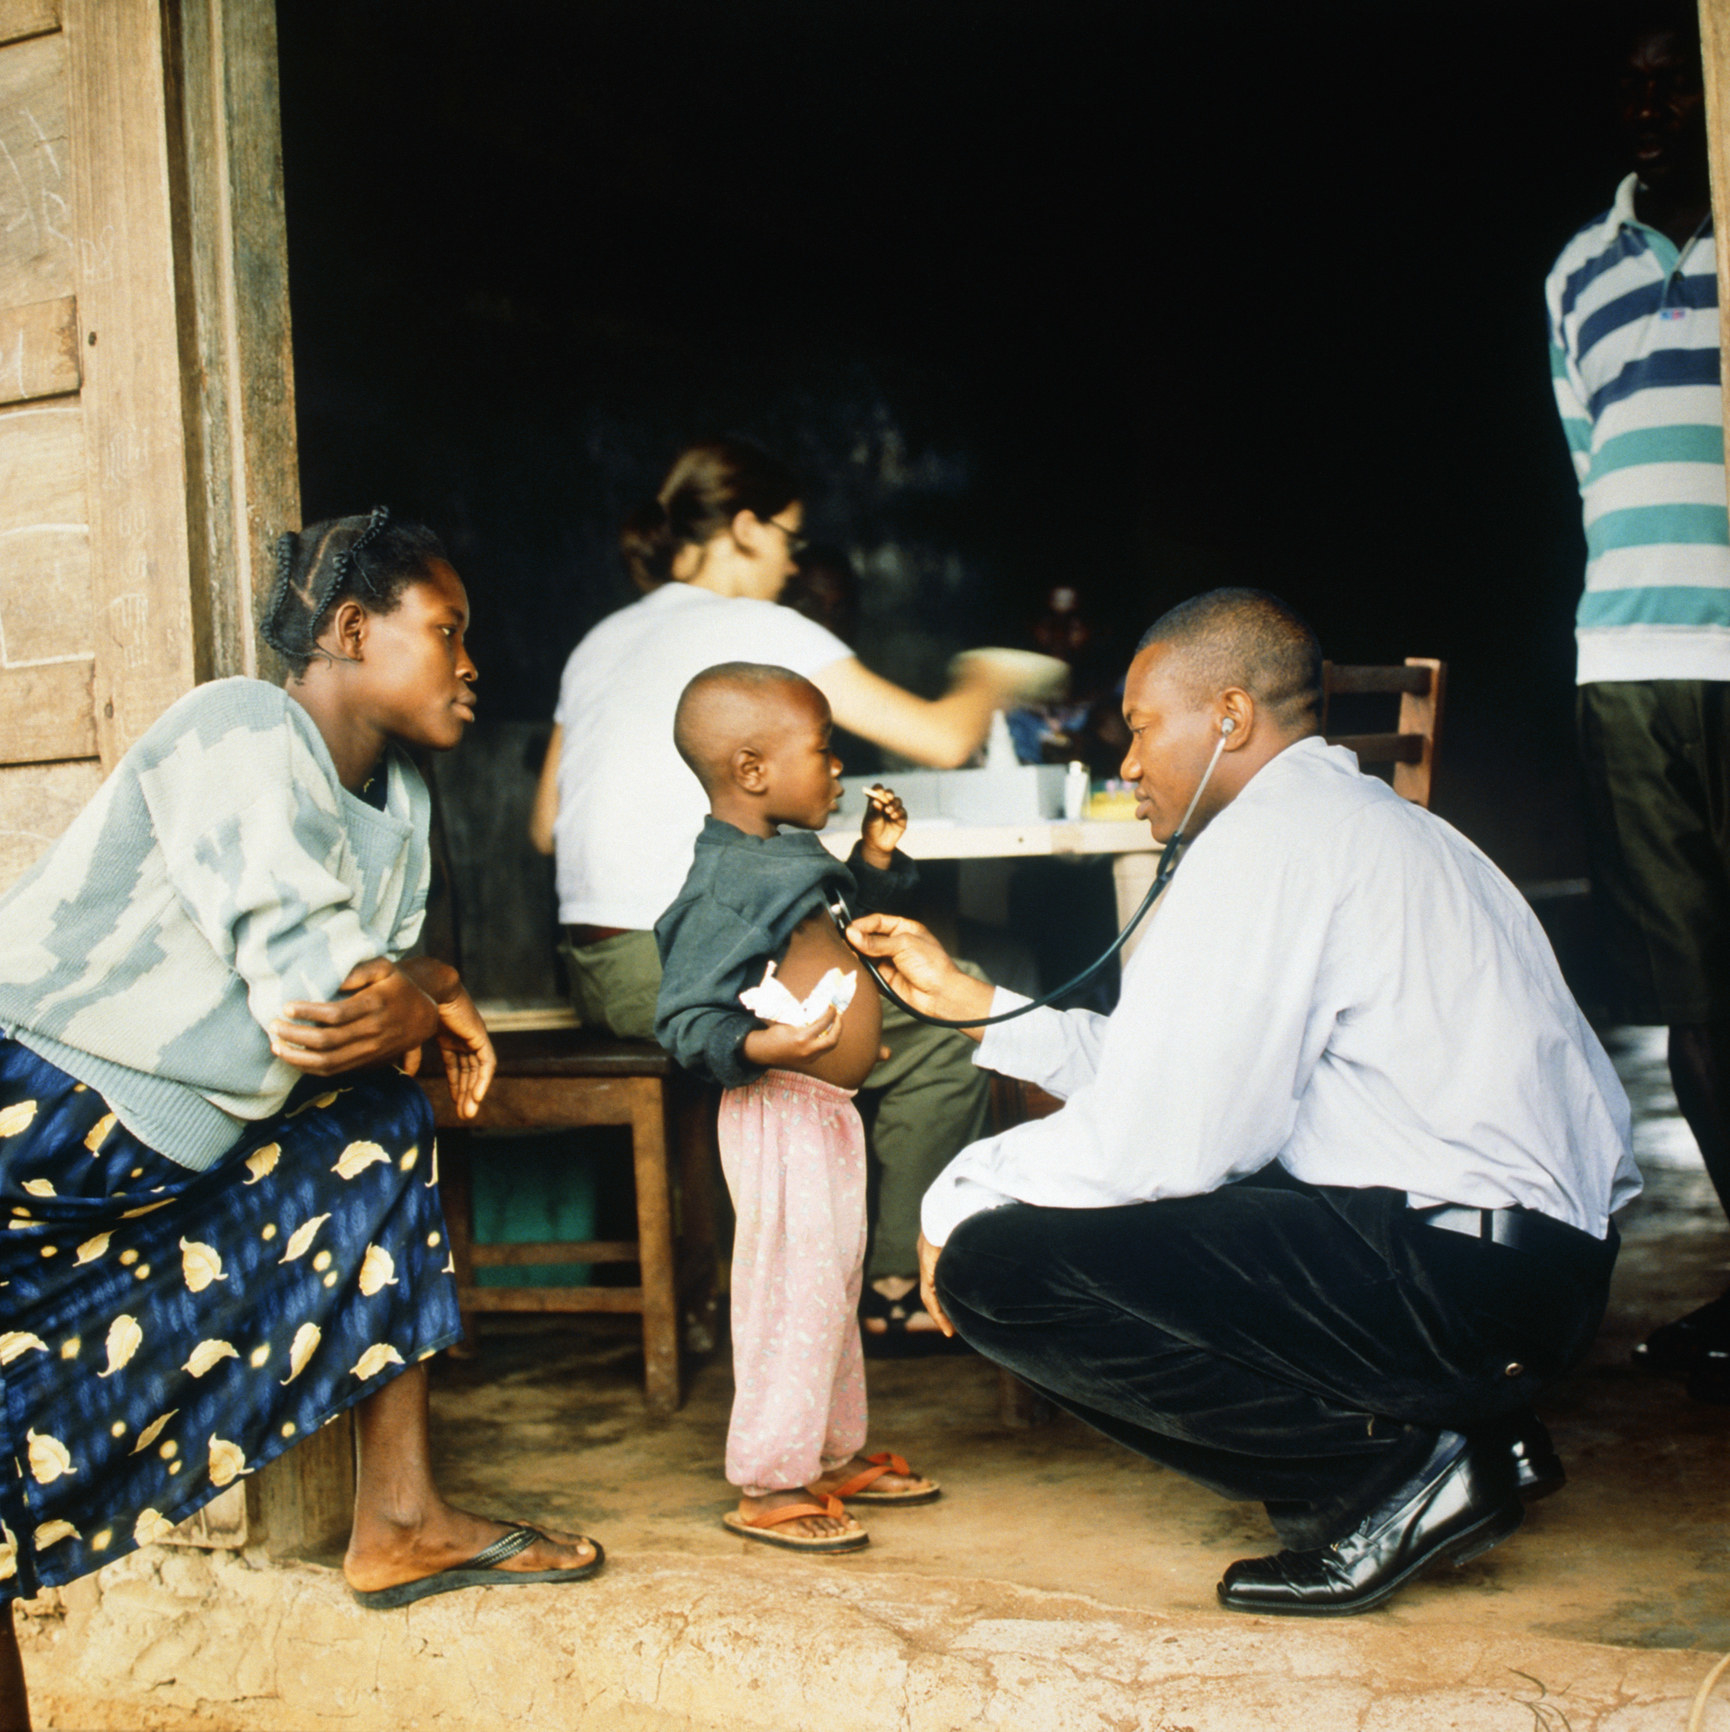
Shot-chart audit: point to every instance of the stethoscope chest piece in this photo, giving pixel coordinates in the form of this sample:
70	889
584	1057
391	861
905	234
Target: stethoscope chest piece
842	916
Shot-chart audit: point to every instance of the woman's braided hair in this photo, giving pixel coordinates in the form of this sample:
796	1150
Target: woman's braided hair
369	558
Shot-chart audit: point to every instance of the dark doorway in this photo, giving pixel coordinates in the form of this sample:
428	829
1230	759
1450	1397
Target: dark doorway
1138	297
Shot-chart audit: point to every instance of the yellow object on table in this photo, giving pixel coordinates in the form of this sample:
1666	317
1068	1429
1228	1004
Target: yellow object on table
1111	802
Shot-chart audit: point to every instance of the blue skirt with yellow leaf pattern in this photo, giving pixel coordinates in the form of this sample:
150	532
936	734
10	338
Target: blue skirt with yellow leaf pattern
163	1332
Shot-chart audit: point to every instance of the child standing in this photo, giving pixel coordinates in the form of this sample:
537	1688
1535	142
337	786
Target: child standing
792	1145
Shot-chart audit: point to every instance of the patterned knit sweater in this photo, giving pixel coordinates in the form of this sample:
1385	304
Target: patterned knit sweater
220	872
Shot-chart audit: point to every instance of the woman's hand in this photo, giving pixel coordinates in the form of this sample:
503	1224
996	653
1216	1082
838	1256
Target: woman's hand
467	1050
464	1044
919	969
384	1013
780	1046
388	1012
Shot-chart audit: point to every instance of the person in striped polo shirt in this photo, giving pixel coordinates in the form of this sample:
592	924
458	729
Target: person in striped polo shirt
1633	313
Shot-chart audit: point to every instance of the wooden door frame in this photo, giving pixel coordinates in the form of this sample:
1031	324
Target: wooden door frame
1715	65
175	345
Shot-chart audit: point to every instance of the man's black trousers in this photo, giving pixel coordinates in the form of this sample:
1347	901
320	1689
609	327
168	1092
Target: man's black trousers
1296	1344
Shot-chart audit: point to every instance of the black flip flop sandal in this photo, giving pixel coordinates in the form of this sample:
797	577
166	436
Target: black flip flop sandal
481	1571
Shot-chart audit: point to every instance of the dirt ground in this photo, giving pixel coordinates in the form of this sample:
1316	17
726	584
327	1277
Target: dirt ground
1059	1585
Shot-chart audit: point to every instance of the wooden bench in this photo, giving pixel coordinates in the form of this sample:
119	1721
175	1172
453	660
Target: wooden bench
567	1078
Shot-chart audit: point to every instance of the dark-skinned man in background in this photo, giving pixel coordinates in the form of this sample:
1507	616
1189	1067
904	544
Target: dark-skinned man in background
1633	311
1327	1204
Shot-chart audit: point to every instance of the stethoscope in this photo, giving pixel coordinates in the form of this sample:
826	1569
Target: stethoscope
843	918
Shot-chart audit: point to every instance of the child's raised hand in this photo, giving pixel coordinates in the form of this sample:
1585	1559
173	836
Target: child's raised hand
885	824
780	1046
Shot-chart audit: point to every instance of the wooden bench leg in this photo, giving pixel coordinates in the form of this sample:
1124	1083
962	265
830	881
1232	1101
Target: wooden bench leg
694	1106
457	1195
649	1150
1018	1405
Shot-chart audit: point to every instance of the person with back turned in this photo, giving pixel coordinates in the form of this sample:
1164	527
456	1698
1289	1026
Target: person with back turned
1633	312
1327	1203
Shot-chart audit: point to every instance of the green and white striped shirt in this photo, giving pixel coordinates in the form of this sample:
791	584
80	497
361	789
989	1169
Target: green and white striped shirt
1634	359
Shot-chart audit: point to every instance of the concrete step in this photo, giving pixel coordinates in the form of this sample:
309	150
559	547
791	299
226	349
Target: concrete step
176	1641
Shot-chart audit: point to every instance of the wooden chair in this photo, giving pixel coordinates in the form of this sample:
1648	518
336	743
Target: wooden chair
1411	748
562	1078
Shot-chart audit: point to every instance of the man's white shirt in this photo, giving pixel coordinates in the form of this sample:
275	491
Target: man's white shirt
1334	980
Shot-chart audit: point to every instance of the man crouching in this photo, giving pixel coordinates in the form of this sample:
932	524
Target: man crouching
1327	1204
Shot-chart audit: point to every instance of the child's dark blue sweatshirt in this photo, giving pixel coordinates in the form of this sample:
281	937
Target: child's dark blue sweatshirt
742	898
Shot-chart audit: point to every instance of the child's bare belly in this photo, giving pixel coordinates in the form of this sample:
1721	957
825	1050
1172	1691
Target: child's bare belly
812	951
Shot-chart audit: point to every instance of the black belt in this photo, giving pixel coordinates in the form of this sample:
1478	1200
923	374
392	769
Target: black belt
1520	1230
581	937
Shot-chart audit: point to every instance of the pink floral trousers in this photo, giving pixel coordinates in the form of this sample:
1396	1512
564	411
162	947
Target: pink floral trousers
793	1150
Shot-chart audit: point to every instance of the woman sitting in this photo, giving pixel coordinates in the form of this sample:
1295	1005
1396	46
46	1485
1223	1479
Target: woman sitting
222	1221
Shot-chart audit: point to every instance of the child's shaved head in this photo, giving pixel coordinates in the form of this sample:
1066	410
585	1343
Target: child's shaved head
730	705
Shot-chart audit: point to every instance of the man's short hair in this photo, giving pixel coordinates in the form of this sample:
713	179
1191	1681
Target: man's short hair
1247	638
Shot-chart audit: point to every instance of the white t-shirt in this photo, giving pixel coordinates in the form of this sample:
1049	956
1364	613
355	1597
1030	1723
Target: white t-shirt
629	809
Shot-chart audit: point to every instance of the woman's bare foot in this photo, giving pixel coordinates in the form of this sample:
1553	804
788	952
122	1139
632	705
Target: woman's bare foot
890	1484
403	1530
752	1509
384	1554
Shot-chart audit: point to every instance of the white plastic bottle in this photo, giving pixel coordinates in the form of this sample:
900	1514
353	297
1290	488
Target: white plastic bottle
1075	791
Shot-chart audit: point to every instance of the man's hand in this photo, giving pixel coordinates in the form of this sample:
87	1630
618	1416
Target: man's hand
383	1014
918	968
928	1255
885	824
780	1046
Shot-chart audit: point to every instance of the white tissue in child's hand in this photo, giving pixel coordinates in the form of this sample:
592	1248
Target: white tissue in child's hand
770	1000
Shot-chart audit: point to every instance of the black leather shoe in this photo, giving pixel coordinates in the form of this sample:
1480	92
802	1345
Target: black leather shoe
1710	1378
1459	1504
1538	1470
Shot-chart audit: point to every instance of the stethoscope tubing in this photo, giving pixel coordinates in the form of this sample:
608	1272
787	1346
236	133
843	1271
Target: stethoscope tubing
838	911
1168	864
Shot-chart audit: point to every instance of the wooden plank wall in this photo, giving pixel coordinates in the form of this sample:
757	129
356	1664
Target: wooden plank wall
237	361
48	741
147	449
134	446
147	446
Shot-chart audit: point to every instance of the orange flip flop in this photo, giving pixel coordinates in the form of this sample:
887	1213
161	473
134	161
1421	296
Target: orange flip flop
763	1527
858	1488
